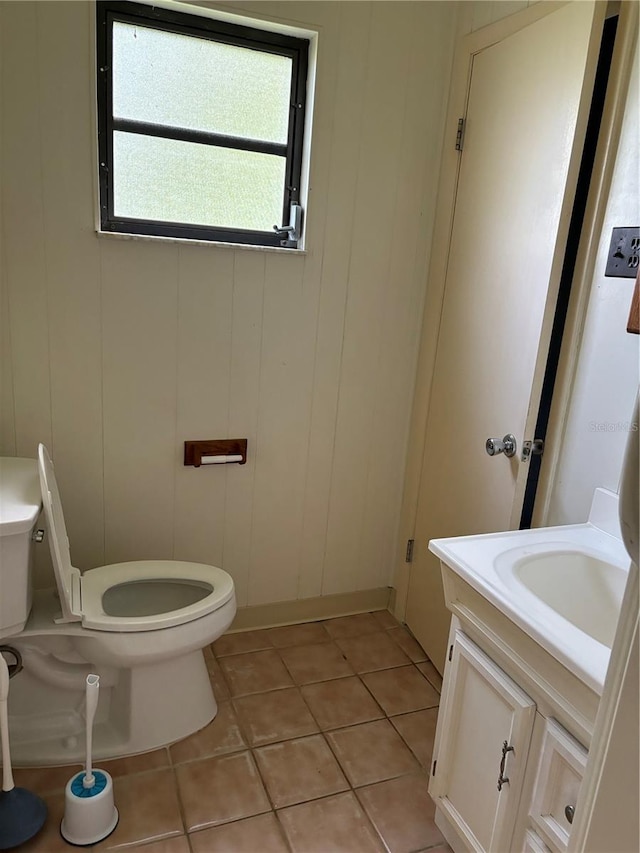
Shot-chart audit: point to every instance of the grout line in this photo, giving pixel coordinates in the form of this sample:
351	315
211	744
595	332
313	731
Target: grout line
263	781
282	830
187	835
181	808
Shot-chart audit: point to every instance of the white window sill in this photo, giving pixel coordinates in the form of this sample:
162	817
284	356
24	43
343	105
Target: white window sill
116	235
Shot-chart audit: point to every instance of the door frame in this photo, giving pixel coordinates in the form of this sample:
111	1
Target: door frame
468	45
600	187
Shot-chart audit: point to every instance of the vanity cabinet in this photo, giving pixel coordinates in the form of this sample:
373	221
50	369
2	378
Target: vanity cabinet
527	661
504	776
479	770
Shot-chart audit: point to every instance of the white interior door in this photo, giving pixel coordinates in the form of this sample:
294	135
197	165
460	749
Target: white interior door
528	99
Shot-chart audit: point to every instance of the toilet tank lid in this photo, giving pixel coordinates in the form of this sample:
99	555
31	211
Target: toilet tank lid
20	500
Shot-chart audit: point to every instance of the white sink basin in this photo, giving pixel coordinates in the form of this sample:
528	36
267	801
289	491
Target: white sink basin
584	588
562	585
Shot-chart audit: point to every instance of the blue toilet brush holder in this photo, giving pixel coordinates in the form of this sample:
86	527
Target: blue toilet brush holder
89	811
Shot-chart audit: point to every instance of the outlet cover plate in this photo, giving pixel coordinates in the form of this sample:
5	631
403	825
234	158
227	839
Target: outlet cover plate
624	253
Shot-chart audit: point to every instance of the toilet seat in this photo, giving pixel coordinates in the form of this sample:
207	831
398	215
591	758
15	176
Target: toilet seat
211	585
133	596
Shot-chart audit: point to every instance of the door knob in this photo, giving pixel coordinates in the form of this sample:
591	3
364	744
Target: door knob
506	445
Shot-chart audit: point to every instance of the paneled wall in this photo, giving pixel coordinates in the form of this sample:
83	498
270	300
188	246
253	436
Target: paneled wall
115	351
475	14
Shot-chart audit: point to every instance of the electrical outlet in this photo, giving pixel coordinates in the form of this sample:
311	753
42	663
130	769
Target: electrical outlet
624	253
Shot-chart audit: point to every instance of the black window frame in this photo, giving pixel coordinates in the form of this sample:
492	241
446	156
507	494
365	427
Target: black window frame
168	20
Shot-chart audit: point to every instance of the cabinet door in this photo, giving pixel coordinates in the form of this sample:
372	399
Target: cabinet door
560	771
485	724
534	844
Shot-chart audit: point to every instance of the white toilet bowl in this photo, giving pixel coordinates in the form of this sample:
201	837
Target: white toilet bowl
140	625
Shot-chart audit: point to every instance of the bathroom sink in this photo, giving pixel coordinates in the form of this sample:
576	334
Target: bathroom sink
563	586
583	588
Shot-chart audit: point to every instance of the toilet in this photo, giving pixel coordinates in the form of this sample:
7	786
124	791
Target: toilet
141	626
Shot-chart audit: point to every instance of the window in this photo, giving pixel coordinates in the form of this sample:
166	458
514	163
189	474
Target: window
200	126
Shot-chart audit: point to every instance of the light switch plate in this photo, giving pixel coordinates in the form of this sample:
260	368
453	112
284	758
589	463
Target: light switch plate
624	253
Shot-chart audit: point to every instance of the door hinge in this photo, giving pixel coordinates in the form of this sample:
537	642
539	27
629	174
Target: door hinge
408	557
450	652
433	769
460	134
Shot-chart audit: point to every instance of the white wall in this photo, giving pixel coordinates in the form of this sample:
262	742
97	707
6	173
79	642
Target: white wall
607	375
118	351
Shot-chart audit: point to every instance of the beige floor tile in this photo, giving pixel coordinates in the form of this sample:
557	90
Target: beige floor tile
299	635
270	717
149	809
372	752
178	844
352	626
319	662
372	651
331	825
261	834
44	780
221	736
403	813
255	672
218	684
298	770
216	779
218	790
418	730
408	644
401	690
241	642
142	763
431	674
343	702
385	619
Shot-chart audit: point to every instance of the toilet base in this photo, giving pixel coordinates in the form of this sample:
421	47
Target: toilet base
149	707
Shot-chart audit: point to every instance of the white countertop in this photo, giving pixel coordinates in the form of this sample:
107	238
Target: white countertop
480	561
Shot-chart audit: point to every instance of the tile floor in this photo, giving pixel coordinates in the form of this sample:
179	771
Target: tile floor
322	744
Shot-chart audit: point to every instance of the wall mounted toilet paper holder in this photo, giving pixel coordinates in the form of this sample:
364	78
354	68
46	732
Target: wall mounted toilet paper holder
215	451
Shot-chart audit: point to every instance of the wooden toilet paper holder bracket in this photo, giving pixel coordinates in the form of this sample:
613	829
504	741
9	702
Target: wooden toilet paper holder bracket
215	451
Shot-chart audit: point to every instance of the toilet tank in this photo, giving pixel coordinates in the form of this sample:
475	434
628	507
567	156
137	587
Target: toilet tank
20	504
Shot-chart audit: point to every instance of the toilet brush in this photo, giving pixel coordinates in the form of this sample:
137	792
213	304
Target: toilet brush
89	813
22	814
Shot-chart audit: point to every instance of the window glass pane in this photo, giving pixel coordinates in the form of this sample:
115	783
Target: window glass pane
171	181
190	82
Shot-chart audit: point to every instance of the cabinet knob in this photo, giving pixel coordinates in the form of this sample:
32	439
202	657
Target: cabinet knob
569	812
